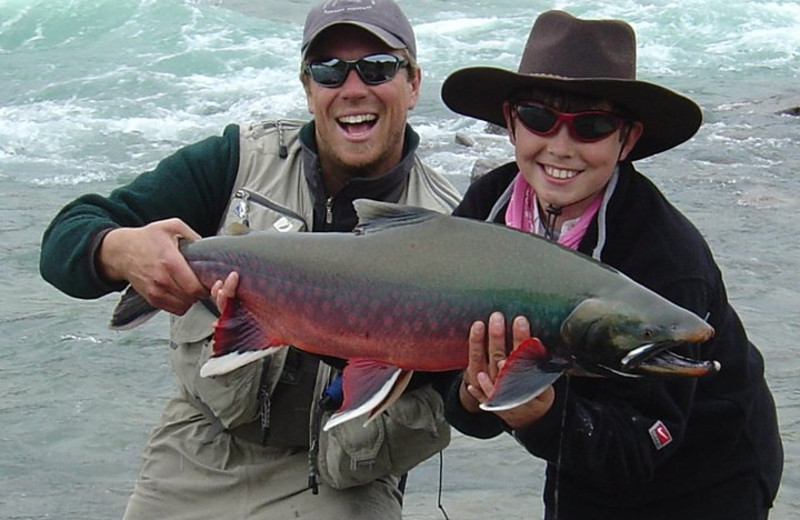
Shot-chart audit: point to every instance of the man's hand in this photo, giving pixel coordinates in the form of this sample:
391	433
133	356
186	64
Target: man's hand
149	259
224	291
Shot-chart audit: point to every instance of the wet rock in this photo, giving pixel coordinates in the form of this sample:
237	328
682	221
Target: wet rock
465	140
481	167
492	128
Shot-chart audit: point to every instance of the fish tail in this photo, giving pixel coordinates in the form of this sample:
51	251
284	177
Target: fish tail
131	311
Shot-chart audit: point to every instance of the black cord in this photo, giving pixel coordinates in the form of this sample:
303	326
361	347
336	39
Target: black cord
553	213
560	448
441	473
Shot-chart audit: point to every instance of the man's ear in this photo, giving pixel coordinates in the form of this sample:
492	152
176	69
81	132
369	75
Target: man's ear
309	104
414	83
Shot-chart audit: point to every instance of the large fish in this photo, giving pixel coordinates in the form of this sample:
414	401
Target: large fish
401	292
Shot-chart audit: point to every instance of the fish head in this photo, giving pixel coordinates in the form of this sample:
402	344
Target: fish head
631	334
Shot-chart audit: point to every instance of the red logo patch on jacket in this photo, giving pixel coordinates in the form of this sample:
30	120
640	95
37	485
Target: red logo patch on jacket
660	435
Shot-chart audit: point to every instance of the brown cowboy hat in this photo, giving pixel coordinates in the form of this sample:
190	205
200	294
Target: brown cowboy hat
595	58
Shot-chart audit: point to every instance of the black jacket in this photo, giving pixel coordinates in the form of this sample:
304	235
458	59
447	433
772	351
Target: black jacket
725	457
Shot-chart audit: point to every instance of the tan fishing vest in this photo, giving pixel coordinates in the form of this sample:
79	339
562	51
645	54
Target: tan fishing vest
270	193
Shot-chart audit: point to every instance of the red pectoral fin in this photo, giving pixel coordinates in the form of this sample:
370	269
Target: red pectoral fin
238	340
527	371
369	387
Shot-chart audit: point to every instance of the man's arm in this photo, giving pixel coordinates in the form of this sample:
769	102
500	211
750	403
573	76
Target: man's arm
192	185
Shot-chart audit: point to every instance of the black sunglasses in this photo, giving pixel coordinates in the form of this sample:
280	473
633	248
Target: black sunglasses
588	126
373	69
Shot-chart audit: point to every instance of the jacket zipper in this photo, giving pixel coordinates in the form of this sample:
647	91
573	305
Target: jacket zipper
329	211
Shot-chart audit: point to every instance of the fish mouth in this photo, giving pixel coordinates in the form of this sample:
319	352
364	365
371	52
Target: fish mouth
657	359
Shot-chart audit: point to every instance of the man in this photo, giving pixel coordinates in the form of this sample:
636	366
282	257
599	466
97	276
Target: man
248	444
617	448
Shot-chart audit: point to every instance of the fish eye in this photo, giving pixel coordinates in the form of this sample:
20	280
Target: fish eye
647	333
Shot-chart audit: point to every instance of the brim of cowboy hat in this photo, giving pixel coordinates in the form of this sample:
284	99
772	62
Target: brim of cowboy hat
668	117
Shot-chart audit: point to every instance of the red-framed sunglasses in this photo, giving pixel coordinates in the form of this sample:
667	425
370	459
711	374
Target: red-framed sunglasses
587	126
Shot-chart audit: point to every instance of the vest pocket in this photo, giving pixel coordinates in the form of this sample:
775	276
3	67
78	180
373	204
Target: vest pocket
252	210
410	431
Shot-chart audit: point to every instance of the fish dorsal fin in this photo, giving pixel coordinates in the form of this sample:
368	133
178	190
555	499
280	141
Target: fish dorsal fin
374	216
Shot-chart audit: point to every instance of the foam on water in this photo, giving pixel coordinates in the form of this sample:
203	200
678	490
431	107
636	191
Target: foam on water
173	72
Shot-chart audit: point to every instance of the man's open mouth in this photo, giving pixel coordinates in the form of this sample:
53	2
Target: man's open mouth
357	123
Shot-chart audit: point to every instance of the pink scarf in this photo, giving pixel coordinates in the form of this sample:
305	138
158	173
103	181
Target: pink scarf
520	213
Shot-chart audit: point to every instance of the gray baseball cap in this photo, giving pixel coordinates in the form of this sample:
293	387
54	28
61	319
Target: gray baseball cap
383	18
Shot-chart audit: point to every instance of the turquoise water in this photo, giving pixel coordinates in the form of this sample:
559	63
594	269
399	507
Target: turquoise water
92	92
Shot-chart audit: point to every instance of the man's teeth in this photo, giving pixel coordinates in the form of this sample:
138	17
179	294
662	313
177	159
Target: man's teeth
357	119
558	173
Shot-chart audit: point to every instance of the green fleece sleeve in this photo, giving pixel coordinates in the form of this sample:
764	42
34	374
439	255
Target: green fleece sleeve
194	184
